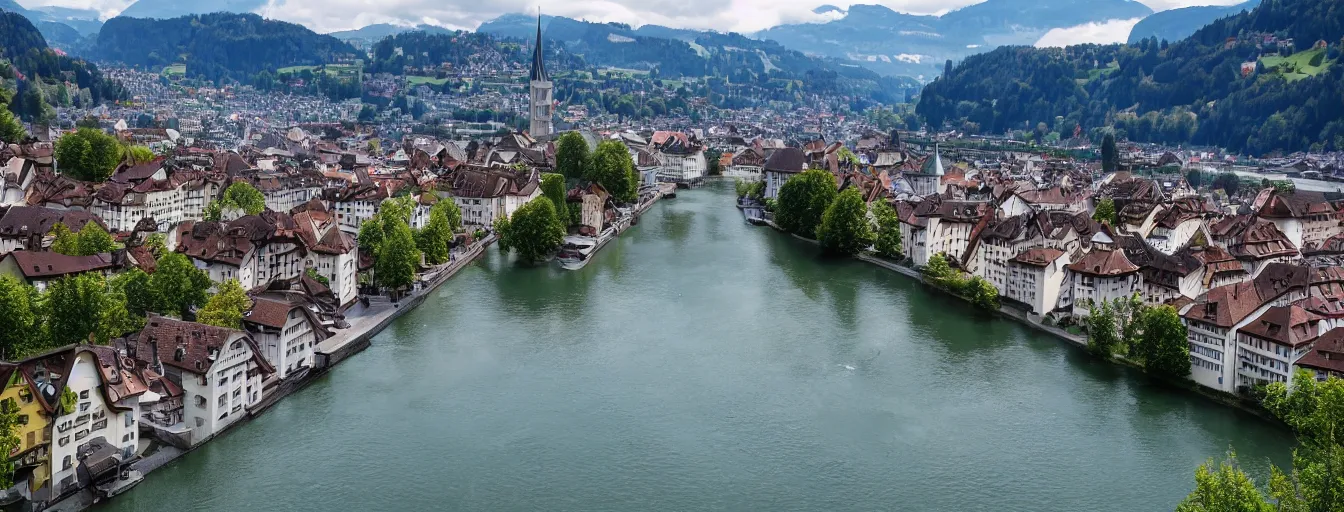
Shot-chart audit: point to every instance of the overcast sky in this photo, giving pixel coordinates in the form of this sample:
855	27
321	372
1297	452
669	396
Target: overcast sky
734	15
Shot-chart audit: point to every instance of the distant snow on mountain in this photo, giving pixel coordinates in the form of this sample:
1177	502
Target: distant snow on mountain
1112	31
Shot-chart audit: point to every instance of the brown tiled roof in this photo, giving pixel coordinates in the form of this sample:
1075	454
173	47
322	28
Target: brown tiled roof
118	373
1038	256
1104	264
48	265
268	312
1227	305
1296	204
786	160
1285	325
1327	354
1262	241
189	346
137	173
23	221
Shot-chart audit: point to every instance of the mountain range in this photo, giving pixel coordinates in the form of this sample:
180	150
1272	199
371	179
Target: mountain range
1178	24
1221	86
62	27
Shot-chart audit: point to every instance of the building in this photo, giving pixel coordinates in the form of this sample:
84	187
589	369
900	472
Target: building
541	104
783	164
32	455
286	332
927	180
1036	277
332	253
1325	358
681	157
96	427
1104	274
221	371
26	228
1269	345
1212	323
486	194
41	268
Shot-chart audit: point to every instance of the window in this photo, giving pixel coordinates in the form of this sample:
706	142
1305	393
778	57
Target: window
84	395
84	407
66	464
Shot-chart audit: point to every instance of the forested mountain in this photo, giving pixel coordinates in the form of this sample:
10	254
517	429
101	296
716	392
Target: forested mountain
55	30
216	46
44	77
890	42
379	31
1225	85
1178	24
163	9
463	50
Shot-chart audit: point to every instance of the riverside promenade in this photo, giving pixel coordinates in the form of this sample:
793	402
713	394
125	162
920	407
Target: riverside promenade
365	323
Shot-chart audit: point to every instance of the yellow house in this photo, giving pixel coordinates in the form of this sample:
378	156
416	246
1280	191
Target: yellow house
34	427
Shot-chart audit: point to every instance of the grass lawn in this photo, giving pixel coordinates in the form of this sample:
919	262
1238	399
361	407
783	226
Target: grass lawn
295	69
418	80
175	69
1300	62
1093	74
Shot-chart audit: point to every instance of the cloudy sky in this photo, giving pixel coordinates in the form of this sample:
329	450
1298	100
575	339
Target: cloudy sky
734	15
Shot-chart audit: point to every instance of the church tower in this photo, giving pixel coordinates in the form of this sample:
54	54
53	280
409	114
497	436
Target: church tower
542	103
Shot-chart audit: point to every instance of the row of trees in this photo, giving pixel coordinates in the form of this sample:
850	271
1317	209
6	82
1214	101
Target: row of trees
1153	336
609	166
88	306
90	240
976	289
1315	410
397	248
809	206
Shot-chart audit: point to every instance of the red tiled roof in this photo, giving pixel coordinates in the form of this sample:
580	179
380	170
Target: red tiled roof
47	265
1104	264
1285	325
1038	256
1327	354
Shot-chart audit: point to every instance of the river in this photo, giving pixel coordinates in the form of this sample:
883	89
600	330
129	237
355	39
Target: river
699	363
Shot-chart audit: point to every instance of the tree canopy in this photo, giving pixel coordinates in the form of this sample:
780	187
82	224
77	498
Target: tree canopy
803	201
553	187
571	156
88	155
1163	346
534	232
239	196
844	228
888	242
397	257
433	239
226	307
180	286
612	168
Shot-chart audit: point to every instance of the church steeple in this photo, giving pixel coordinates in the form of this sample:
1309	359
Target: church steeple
538	67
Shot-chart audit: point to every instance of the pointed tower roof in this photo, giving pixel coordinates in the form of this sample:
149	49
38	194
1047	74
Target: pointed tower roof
538	67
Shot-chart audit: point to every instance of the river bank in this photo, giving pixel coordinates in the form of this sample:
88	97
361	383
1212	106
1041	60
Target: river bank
1076	340
365	323
701	364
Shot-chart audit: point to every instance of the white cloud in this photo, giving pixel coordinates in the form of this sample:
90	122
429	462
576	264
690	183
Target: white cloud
1113	31
726	15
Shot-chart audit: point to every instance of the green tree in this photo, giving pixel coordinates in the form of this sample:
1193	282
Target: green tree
1316	482
19	317
803	201
571	155
9	440
116	320
940	273
1105	212
157	244
370	236
140	154
534	232
982	294
226	307
1102	334
1314	409
1163	347
844	228
1224	488
64	241
244	197
94	240
888	243
1110	155
397	258
434	238
138	289
317	276
180	286
10	130
1228	182
88	155
611	167
553	187
75	307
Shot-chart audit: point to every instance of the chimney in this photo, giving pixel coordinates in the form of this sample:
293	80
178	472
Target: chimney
154	349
